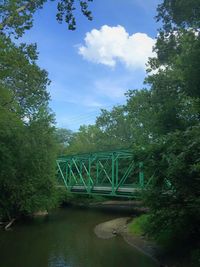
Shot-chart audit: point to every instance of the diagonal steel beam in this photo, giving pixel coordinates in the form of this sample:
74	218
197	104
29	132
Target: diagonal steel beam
63	177
80	175
126	174
105	172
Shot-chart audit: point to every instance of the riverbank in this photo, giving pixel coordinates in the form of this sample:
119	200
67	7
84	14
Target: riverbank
119	226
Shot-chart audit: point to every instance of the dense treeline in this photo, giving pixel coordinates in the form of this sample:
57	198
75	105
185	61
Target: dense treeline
27	132
27	147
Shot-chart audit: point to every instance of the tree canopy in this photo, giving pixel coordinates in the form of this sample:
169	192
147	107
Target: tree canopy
17	16
27	146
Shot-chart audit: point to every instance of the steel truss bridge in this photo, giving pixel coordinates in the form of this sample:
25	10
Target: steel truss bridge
112	173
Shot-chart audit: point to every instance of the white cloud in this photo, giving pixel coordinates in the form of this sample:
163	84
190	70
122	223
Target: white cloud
112	44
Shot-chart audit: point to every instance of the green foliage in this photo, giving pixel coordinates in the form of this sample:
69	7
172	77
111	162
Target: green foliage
66	12
87	139
17	15
114	128
173	155
27	145
28	84
66	198
27	136
63	139
27	165
139	225
181	13
175	209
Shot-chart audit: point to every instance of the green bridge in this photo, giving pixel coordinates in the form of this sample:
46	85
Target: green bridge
111	173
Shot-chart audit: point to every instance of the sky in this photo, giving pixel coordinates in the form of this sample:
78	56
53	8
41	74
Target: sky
92	67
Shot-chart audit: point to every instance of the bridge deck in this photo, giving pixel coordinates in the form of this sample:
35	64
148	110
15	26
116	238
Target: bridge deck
105	189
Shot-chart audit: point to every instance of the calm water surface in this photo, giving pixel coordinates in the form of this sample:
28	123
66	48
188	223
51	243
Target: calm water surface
65	238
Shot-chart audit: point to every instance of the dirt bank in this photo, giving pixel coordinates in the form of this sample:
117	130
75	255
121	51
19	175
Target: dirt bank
119	226
111	228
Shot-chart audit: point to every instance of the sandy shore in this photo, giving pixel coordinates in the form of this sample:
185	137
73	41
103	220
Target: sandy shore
111	228
119	226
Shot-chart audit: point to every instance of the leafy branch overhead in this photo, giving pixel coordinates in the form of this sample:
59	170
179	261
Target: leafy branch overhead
66	10
179	13
17	16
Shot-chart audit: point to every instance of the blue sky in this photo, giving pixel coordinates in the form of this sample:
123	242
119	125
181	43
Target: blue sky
91	68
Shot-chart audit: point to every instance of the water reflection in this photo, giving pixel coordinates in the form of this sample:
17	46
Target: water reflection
66	239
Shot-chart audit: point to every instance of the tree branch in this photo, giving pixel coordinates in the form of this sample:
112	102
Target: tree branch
18	10
9	224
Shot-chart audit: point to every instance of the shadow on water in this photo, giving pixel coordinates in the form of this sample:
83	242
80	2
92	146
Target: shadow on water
65	238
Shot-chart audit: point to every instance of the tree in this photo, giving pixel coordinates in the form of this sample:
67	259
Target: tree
27	135
85	140
179	13
114	127
27	173
27	146
17	15
174	209
21	76
173	156
111	131
63	139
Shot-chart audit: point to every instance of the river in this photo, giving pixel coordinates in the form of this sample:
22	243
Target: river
65	238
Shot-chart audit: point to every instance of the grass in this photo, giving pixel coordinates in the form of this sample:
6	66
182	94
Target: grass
138	225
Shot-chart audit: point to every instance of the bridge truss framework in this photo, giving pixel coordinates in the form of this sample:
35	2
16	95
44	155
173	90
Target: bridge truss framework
111	173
